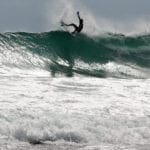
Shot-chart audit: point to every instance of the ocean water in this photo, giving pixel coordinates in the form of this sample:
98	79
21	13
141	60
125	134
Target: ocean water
64	92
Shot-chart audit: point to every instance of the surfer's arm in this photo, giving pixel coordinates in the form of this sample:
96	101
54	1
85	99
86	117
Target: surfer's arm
78	15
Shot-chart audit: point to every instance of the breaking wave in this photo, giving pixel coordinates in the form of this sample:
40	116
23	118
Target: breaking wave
60	53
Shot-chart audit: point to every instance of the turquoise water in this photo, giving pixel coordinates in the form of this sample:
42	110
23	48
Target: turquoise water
90	56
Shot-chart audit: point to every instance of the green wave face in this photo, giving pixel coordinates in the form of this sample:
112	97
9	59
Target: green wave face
81	54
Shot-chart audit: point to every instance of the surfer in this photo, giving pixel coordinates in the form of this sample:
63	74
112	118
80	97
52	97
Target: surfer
77	29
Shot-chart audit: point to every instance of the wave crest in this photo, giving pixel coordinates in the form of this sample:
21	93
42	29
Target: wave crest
62	52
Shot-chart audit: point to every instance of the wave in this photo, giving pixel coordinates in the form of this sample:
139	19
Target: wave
106	55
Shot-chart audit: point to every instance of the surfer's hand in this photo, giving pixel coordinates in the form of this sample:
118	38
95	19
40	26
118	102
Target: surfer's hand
77	12
61	23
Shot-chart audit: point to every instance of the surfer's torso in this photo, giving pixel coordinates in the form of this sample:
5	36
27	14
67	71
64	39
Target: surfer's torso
80	26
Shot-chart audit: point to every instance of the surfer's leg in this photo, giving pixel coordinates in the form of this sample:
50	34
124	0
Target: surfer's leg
72	24
74	32
75	28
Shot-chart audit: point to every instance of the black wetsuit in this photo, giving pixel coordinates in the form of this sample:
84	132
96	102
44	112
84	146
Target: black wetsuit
79	28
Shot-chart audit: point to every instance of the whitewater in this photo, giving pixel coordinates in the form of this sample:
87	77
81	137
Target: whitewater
59	91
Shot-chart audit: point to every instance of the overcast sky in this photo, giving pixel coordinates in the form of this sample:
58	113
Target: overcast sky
32	15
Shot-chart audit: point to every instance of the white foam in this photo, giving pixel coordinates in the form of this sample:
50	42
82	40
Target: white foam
17	60
114	69
79	110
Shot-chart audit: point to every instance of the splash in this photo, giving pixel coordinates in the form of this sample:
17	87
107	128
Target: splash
94	24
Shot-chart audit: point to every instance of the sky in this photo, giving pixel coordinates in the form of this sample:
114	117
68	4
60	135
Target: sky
41	15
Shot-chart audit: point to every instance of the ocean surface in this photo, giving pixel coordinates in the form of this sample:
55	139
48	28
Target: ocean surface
65	92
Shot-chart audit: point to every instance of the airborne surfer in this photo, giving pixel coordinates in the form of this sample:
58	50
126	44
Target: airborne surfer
77	29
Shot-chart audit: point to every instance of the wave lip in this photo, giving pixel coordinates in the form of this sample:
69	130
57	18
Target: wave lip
107	55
